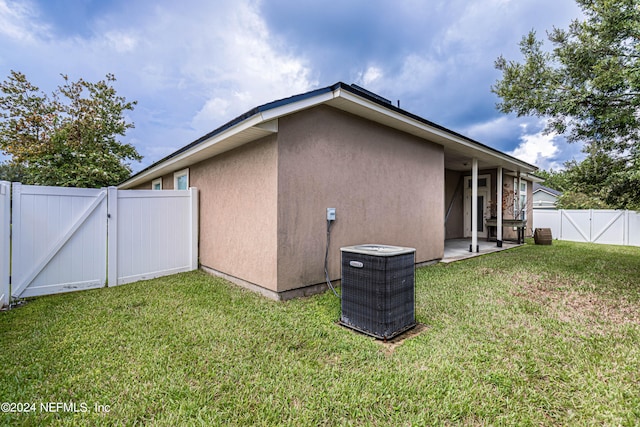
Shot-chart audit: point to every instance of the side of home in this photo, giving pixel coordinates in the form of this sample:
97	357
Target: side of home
266	179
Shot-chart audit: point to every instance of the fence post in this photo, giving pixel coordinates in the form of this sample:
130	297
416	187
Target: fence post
5	242
625	228
193	220
112	236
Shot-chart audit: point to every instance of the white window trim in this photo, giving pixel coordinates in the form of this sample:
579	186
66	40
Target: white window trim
156	181
520	192
179	174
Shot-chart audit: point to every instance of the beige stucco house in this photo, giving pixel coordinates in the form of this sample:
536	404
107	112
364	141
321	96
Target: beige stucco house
266	179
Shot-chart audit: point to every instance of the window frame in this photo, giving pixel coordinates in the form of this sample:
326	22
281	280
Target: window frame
179	174
156	181
520	203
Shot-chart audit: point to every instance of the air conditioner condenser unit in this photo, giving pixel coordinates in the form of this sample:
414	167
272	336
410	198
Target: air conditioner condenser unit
378	289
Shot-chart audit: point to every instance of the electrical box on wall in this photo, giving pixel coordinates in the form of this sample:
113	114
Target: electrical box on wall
331	214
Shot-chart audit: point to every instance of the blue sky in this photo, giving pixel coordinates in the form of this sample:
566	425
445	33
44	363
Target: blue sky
195	64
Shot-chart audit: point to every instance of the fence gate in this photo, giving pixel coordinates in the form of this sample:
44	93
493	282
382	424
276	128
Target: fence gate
614	227
59	239
56	239
5	239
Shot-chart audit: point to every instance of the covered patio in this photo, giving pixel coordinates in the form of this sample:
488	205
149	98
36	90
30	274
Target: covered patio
458	249
487	198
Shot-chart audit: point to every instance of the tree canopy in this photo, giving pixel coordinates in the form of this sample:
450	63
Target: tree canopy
69	138
588	89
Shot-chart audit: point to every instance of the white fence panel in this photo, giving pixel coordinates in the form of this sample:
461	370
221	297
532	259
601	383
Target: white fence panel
575	225
59	239
151	234
598	226
607	227
546	218
633	228
5	240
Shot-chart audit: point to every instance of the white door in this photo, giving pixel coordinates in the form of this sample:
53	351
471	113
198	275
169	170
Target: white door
484	197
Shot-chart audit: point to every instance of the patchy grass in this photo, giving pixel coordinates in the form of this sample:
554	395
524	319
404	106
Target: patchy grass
538	335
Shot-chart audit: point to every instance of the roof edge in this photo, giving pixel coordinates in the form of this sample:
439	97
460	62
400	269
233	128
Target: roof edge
365	94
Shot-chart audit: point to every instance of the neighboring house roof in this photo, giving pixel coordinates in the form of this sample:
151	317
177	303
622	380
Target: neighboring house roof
537	187
263	120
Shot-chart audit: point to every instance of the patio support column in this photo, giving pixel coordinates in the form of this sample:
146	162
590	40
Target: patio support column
474	206
520	216
499	209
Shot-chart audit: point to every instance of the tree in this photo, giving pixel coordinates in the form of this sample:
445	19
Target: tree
588	88
556	180
11	172
70	138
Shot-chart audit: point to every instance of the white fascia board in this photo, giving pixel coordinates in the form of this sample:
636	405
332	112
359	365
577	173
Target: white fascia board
255	120
431	130
269	126
294	107
528	176
265	120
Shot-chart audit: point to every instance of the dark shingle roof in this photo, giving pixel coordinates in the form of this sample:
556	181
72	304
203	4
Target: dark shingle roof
537	186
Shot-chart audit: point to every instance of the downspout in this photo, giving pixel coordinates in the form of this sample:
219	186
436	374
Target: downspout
499	210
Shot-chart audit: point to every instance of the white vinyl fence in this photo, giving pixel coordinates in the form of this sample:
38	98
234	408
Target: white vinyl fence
67	239
5	239
611	227
151	233
59	239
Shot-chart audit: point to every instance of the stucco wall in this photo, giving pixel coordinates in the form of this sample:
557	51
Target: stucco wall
167	183
238	228
387	187
454	224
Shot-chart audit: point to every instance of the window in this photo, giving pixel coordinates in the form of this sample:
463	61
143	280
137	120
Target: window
181	180
482	182
156	184
520	200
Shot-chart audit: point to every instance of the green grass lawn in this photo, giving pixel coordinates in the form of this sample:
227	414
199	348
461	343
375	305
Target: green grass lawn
537	335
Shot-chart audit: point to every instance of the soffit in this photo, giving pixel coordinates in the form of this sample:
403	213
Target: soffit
458	150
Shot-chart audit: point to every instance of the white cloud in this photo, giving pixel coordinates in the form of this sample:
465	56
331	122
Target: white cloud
370	75
194	66
18	21
487	131
120	41
191	68
223	57
538	149
416	74
213	111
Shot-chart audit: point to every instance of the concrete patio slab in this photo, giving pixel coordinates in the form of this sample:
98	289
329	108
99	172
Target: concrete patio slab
458	249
